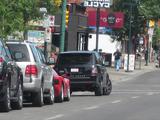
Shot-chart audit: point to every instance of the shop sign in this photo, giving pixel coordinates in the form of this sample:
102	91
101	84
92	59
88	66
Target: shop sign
111	20
97	3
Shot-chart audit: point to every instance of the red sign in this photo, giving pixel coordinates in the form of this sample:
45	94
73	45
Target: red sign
75	1
112	20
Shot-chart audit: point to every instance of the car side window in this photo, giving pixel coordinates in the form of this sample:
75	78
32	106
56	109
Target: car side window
41	55
35	54
4	53
8	53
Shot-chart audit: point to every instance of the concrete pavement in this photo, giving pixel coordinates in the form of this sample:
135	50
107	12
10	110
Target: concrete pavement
117	76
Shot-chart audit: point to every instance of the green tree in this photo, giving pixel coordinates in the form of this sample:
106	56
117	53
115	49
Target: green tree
15	14
10	18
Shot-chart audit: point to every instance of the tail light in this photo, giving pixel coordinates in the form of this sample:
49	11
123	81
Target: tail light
31	70
1	60
56	80
94	71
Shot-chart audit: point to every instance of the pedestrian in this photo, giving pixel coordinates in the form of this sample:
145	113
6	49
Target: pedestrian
117	56
146	57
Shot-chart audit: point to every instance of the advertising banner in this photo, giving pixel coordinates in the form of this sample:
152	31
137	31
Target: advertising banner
111	20
36	36
131	62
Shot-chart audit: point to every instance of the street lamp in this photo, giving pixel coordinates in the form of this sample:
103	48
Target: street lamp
43	10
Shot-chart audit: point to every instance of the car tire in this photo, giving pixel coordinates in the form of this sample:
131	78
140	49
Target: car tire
60	98
99	90
19	103
50	100
5	106
68	95
38	98
109	87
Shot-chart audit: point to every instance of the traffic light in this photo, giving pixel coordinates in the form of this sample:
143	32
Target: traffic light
67	17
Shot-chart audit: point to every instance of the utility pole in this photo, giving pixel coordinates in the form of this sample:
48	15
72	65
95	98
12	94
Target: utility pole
130	31
63	26
97	26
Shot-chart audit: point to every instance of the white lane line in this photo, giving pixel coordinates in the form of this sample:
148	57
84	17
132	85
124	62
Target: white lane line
150	93
55	117
134	97
116	101
91	108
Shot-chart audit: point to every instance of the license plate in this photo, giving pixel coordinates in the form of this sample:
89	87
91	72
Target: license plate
74	70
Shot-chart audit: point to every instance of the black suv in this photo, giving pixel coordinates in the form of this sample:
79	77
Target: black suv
87	71
11	81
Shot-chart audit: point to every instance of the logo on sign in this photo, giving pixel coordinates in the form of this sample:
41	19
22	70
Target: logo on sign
111	19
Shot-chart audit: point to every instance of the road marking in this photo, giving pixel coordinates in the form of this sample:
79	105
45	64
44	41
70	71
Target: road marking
91	108
150	93
134	97
116	101
135	91
55	117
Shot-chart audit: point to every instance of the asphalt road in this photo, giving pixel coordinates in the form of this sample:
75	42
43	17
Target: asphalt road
131	99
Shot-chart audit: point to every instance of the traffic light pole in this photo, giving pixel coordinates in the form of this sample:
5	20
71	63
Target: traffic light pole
63	23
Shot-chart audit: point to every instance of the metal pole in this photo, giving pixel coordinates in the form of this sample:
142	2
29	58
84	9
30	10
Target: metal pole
97	26
129	42
63	26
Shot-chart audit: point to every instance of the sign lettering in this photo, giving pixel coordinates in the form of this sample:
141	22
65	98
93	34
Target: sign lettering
97	3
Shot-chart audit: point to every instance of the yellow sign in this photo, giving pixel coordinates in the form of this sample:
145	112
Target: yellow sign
151	23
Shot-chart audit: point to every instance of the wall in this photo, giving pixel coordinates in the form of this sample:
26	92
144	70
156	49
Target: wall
105	43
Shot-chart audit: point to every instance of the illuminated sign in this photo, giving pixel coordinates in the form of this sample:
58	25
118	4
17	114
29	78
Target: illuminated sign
97	3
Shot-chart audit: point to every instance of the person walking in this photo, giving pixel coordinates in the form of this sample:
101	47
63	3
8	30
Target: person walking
146	57
117	56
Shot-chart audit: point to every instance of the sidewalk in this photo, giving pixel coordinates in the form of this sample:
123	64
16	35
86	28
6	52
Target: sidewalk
122	74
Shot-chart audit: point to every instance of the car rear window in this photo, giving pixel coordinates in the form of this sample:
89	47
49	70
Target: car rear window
19	48
71	59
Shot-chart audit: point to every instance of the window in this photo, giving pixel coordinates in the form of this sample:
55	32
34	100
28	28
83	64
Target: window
72	58
41	55
19	48
35	53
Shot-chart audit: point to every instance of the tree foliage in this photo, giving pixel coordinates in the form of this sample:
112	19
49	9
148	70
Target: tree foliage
142	10
15	14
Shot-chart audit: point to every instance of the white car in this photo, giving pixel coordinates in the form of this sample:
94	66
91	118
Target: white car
38	77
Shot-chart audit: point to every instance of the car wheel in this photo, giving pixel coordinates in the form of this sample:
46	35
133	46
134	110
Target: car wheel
5	106
19	103
50	99
60	98
109	87
99	90
38	98
68	95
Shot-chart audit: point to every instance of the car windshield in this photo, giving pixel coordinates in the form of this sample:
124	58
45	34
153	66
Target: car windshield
19	50
75	59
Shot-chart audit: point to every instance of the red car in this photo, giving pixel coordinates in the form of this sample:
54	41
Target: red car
61	87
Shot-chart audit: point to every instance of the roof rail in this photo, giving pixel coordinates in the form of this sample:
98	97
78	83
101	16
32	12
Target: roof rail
14	40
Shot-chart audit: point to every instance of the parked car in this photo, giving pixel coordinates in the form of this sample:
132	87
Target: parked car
11	81
61	87
38	77
87	71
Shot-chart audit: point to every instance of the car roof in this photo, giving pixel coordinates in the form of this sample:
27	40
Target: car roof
19	42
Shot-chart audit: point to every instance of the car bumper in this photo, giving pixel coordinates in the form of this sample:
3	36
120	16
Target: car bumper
32	86
84	84
57	90
2	90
